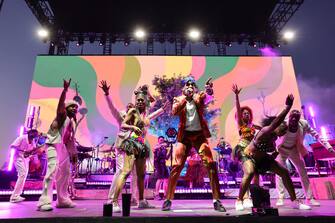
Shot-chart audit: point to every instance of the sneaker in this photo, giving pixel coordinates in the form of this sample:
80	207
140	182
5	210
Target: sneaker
297	204
239	205
218	206
133	202
247	203
116	207
144	204
313	202
45	207
166	205
280	202
16	199
66	205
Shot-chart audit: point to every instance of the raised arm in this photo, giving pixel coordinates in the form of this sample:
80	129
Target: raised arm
281	117
237	90
159	111
113	110
61	102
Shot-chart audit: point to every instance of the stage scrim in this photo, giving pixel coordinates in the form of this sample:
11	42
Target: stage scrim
265	81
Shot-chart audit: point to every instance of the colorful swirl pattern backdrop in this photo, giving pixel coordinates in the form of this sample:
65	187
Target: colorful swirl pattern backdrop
265	83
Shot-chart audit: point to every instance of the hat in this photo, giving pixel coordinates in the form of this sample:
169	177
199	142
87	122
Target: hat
71	102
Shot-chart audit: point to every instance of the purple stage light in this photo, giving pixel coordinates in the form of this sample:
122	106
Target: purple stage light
324	132
311	111
11	160
268	51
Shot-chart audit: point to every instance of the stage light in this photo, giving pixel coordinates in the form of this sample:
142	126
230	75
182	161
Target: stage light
43	33
139	34
194	34
324	132
126	41
289	35
11	160
228	43
311	111
252	43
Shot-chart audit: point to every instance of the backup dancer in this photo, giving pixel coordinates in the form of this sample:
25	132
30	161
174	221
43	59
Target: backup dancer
131	144
291	147
61	151
261	161
247	131
193	132
119	117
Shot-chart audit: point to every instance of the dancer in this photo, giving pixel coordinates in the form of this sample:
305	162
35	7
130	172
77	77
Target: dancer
193	132
131	144
247	131
61	151
23	145
119	117
291	147
259	161
161	154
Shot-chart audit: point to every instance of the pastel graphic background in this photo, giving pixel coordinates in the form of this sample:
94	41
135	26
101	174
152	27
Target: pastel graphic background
266	81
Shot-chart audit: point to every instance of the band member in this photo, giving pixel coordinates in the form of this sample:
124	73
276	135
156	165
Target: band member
24	145
193	132
291	147
132	145
161	154
259	161
247	131
119	117
61	151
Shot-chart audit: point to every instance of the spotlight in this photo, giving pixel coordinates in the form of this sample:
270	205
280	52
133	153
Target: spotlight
289	35
194	34
126	41
228	43
252	43
102	40
80	41
139	34
43	33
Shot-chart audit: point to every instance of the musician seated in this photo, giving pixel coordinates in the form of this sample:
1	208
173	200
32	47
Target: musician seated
25	146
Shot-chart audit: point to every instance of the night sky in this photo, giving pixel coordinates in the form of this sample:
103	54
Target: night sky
312	51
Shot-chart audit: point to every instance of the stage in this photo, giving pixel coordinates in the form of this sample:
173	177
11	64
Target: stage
182	211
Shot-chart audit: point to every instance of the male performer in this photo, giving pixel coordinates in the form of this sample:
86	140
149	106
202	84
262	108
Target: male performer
291	147
193	132
60	151
23	145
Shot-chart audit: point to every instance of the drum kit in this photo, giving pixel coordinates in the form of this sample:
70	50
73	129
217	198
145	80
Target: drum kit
96	160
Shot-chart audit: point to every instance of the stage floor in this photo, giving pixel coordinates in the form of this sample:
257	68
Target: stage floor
180	208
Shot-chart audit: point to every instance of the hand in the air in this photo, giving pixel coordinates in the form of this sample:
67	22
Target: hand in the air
104	86
66	84
235	89
289	100
209	86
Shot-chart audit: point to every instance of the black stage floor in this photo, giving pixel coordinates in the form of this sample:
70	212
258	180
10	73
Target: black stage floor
185	211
